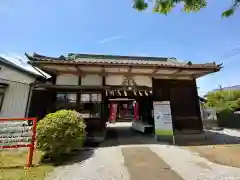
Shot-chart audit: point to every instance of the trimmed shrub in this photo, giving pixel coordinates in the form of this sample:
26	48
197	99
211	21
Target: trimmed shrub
60	132
228	119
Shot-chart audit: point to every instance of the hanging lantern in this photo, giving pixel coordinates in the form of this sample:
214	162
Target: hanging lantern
125	93
140	93
106	93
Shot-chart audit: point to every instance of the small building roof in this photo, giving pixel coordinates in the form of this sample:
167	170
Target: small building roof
23	66
228	88
16	67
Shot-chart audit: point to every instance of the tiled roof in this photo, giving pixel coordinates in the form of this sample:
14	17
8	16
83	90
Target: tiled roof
119	60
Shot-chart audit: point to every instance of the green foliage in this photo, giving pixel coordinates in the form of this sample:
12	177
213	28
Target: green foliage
224	100
140	5
228	119
228	13
60	132
165	6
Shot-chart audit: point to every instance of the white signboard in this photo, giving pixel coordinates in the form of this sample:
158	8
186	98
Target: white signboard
162	118
15	133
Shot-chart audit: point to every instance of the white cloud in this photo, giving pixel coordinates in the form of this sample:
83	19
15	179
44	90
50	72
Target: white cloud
108	39
21	60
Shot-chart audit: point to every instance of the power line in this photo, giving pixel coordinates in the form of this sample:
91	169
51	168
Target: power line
232	53
233	50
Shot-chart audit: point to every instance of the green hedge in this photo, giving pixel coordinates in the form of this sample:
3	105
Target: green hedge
228	119
61	132
225	102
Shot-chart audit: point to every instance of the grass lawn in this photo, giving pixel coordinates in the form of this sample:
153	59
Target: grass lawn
12	166
221	154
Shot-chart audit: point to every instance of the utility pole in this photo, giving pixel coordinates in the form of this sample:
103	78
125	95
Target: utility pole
220	87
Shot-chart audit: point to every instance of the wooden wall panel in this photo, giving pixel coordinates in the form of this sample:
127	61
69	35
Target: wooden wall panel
184	102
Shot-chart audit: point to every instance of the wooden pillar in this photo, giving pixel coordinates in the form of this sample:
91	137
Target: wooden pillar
198	106
105	109
136	111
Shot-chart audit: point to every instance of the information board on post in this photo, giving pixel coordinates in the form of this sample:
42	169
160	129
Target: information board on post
18	133
162	118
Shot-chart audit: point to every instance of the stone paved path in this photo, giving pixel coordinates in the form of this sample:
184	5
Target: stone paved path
105	164
190	166
144	164
120	159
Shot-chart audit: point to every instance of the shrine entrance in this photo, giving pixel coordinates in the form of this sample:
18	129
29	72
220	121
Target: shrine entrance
122	110
124	101
129	110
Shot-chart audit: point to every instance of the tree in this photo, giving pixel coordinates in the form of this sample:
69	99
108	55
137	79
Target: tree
224	100
165	6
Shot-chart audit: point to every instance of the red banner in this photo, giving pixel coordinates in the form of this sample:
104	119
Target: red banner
113	112
136	111
18	133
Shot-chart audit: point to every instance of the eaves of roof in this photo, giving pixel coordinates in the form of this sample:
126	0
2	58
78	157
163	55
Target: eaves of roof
93	59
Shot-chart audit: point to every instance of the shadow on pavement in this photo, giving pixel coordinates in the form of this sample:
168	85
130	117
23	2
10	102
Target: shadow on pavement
209	138
70	158
127	136
116	136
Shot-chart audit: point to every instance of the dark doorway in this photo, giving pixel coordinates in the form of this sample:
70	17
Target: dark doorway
42	103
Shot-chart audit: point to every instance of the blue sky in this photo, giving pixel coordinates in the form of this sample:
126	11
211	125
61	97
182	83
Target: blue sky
113	27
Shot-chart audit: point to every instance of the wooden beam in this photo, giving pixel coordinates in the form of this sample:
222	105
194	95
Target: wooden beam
80	71
129	69
176	72
117	73
54	71
103	72
155	70
157	75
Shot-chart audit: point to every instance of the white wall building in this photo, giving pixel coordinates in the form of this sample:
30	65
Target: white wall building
15	89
